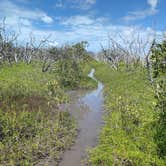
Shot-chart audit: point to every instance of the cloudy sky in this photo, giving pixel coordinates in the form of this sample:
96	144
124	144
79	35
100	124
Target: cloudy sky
69	21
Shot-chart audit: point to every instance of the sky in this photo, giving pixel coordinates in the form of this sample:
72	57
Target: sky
71	21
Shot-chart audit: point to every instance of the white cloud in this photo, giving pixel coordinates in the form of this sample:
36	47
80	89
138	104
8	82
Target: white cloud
24	22
78	20
95	32
53	44
153	3
79	4
90	1
46	19
10	10
136	15
82	4
76	28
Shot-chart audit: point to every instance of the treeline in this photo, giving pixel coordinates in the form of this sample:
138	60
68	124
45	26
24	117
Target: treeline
67	59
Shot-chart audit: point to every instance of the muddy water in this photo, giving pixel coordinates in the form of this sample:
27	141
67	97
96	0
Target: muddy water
86	107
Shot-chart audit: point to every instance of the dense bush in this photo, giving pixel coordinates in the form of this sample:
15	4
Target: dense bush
70	73
158	59
71	64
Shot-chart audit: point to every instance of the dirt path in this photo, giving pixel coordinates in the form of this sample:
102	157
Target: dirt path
86	107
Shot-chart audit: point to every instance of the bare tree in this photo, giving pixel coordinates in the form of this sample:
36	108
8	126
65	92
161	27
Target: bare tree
7	51
128	51
31	49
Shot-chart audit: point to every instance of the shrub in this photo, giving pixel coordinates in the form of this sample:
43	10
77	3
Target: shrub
70	72
158	59
55	93
27	137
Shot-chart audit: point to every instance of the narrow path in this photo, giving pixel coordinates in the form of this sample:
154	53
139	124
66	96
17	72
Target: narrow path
86	107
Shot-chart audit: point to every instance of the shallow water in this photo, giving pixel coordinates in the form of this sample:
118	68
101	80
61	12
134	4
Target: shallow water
86	107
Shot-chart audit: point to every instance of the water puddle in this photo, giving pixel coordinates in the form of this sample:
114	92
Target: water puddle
87	108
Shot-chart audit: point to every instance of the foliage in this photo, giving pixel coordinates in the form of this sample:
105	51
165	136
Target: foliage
71	65
23	87
30	129
27	137
55	93
128	131
158	59
70	73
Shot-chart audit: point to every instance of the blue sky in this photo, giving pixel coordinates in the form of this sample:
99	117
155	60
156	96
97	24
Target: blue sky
70	21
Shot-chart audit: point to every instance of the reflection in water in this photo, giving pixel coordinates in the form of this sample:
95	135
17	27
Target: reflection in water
87	108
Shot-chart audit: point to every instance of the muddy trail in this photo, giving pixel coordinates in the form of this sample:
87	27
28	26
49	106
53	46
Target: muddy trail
87	108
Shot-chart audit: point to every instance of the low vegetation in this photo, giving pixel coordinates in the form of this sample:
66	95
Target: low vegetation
158	59
134	130
27	137
30	126
33	82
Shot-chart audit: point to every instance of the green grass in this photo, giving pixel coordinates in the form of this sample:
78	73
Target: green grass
25	79
127	137
31	127
24	82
